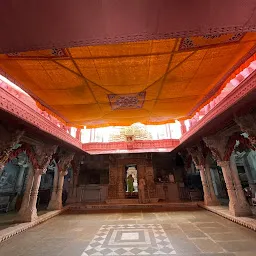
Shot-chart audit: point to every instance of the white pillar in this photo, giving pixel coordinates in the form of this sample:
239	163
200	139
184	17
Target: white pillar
31	211
214	200
53	201
59	191
26	196
207	196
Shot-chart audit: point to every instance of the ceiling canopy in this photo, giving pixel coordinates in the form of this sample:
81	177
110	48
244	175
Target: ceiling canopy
62	24
151	82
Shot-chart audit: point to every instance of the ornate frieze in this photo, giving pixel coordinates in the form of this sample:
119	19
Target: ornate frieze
19	107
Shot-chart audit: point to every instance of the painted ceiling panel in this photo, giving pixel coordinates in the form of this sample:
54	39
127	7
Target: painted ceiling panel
155	81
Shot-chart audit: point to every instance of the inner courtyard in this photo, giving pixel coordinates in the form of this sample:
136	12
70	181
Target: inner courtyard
128	128
190	232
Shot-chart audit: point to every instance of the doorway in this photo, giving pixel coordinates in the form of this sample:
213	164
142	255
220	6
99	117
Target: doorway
131	170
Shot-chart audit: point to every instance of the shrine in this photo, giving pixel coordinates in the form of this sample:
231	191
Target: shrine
127	128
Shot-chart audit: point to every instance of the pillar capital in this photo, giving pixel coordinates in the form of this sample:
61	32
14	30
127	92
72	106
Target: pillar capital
65	161
43	155
197	156
223	164
200	167
217	145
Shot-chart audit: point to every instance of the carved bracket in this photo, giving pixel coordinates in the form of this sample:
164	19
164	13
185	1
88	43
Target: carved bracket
65	161
197	155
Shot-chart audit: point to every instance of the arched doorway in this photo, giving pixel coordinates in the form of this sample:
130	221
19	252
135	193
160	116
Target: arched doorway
131	169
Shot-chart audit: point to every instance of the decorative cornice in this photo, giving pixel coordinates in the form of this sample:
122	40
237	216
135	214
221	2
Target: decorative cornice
134	146
16	107
247	86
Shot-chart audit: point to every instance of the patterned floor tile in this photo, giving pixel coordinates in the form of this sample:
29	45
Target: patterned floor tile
130	239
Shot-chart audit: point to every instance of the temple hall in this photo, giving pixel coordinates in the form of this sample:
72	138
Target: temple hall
128	128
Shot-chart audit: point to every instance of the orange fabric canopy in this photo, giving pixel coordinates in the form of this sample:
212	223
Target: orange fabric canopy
151	82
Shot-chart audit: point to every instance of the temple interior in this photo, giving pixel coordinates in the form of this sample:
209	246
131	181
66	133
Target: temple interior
128	128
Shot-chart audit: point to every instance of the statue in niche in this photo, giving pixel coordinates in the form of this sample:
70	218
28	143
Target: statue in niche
142	185
130	181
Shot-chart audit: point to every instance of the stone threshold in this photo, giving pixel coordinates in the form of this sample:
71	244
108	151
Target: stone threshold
138	206
223	211
12	231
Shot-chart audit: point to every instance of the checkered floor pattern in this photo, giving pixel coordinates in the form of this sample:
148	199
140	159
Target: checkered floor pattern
133	239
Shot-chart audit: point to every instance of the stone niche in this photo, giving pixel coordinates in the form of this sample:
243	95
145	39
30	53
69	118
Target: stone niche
117	172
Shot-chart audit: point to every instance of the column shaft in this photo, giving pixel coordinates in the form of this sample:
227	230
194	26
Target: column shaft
59	191
245	209
207	196
31	211
52	203
234	204
214	200
26	196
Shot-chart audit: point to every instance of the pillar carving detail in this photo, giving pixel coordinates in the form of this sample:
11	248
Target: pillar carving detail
63	165
199	159
42	157
76	165
219	147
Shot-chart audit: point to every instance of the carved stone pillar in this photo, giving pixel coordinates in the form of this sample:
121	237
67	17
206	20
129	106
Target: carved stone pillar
26	196
63	165
233	200
221	152
76	165
31	211
41	160
58	203
112	187
244	206
120	184
51	205
199	160
207	195
214	199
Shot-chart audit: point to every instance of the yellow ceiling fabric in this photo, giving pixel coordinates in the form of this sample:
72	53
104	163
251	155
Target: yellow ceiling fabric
152	82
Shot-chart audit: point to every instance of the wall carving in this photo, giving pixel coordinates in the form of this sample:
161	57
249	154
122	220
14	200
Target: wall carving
133	145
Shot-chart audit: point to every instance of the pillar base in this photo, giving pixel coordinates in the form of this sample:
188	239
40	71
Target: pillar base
208	201
27	216
54	205
240	210
211	203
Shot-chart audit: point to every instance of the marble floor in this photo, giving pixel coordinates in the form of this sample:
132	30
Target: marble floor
189	233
